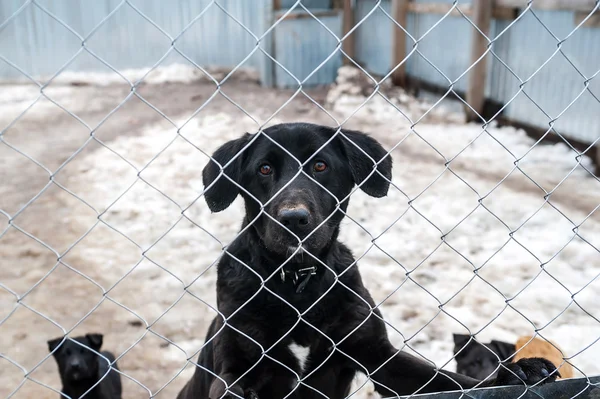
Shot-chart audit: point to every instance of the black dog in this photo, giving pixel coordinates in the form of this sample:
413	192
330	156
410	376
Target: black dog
479	360
80	368
313	294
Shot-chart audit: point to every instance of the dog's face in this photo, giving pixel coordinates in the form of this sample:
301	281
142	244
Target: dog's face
76	362
285	205
479	360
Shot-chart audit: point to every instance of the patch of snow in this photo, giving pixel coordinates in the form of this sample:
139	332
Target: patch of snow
173	73
423	243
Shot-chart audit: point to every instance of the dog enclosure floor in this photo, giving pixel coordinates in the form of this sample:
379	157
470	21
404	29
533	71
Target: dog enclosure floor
153	248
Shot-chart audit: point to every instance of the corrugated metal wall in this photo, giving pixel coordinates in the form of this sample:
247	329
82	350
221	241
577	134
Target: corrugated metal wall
302	45
524	48
446	46
373	36
40	45
307	3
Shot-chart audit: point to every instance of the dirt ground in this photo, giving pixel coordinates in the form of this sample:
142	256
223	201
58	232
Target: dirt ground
50	135
65	263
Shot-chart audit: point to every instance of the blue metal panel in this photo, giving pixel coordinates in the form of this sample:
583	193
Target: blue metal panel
446	46
374	36
322	4
527	46
302	44
40	45
458	2
497	72
524	47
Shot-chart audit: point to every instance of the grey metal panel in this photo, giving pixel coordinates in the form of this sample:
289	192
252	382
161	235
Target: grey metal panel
302	44
374	36
524	48
267	44
459	2
40	45
306	3
497	72
446	46
558	83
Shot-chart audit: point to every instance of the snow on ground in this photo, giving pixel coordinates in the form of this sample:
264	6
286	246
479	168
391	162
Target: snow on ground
418	246
174	73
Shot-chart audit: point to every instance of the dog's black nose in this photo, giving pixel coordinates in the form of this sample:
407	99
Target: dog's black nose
294	218
75	365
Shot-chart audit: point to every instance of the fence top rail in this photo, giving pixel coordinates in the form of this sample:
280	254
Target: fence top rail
580	388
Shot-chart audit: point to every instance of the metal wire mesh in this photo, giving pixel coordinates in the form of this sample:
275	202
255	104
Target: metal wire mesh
18	298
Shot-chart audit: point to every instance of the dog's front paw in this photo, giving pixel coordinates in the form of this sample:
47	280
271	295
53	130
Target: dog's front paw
529	370
250	394
218	390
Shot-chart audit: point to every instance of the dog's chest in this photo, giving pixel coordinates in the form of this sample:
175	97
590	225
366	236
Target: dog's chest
300	352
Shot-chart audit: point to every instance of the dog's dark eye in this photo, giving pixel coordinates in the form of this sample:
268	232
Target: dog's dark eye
265	169
320	166
68	352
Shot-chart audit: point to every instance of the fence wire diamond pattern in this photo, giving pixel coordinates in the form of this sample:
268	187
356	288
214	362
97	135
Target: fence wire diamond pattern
103	220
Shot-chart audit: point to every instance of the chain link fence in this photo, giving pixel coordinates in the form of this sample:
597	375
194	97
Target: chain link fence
104	227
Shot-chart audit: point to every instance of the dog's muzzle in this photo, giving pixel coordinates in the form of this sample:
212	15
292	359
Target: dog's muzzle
296	219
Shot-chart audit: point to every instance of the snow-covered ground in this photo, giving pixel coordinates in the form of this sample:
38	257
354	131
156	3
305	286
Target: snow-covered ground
418	246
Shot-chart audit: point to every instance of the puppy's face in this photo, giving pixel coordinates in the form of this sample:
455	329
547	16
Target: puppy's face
479	360
476	361
295	180
76	362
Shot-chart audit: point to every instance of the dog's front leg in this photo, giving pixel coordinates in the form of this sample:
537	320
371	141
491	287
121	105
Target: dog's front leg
224	387
227	389
398	373
330	379
233	356
230	386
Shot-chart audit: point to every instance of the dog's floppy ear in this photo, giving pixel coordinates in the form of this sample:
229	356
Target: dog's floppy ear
95	341
503	349
222	193
362	156
460	340
52	344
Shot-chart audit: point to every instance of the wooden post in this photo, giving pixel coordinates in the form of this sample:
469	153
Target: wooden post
399	13
482	17
348	45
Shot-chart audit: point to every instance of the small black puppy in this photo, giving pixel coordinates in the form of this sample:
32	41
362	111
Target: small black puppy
479	360
287	281
80	368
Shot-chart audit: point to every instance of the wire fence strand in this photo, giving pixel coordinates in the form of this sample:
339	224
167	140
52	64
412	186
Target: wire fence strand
412	203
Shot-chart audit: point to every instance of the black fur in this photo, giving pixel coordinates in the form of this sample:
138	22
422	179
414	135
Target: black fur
479	360
80	368
334	304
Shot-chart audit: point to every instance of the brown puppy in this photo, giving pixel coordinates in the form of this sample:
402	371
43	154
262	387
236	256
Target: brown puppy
542	348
